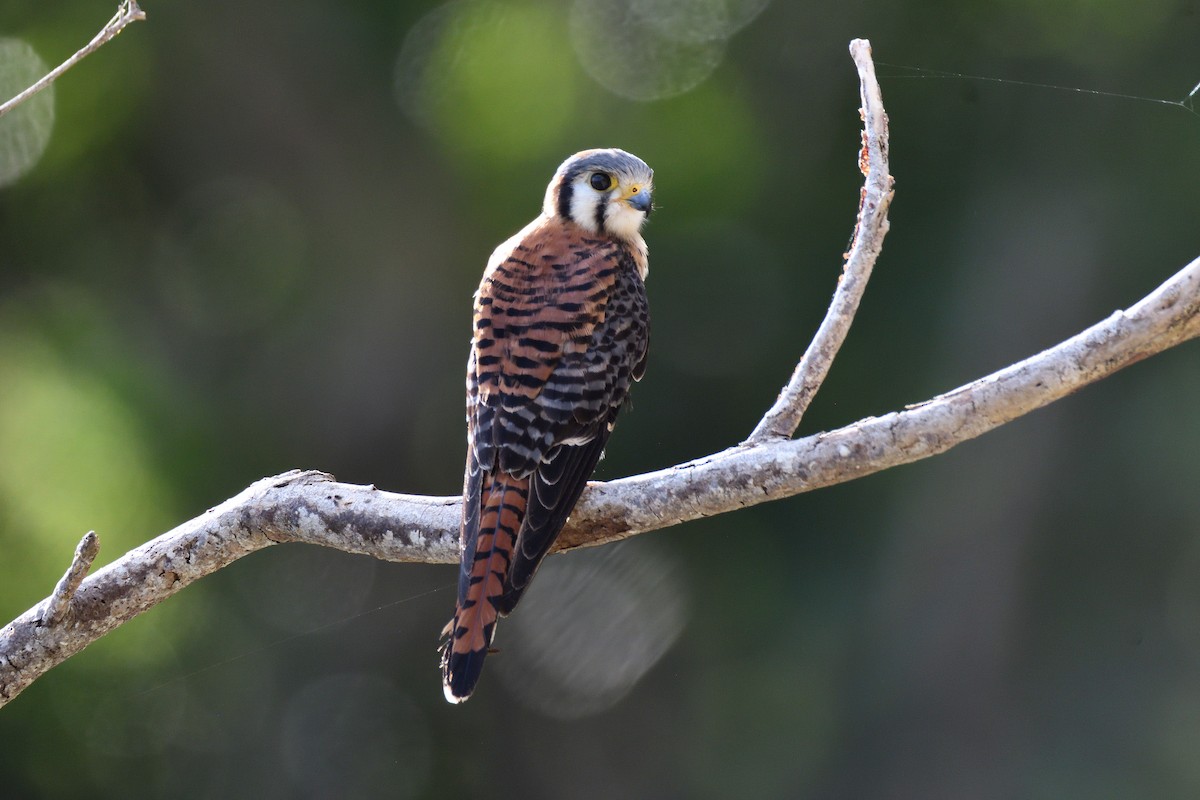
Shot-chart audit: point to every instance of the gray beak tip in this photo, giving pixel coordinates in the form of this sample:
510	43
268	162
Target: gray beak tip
642	201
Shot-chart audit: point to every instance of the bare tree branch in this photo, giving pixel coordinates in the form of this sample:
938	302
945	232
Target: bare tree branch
127	12
311	507
59	603
781	421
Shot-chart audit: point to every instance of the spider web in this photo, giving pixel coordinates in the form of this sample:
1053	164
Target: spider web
1187	102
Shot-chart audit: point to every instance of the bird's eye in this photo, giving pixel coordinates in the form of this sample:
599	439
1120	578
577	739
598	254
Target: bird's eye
601	181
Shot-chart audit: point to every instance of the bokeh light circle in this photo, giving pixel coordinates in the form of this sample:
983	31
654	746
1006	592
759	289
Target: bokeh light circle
489	78
621	44
697	20
591	626
24	131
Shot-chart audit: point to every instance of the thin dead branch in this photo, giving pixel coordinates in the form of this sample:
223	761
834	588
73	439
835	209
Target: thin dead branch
127	12
783	418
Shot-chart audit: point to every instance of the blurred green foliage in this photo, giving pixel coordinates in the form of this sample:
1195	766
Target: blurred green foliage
250	245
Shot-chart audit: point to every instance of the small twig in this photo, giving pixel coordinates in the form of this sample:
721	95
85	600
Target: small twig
782	420
60	601
127	12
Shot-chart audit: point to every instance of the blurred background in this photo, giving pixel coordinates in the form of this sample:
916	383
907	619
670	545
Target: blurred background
243	238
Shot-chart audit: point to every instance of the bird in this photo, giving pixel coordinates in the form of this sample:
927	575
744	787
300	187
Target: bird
561	331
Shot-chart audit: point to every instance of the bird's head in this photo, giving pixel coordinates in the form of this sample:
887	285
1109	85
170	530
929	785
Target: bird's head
605	191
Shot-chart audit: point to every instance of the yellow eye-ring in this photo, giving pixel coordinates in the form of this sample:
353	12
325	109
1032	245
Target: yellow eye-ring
601	181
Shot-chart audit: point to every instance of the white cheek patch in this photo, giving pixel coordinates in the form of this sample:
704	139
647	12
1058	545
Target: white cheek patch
623	220
583	206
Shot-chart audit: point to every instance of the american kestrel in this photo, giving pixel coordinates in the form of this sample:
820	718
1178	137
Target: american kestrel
561	331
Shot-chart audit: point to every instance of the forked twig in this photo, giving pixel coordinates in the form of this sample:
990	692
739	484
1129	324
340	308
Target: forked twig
127	12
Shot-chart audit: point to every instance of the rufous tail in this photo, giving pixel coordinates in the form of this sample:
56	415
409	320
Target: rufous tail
469	634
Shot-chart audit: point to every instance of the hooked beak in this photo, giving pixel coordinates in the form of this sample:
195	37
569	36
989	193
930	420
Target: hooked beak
641	200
